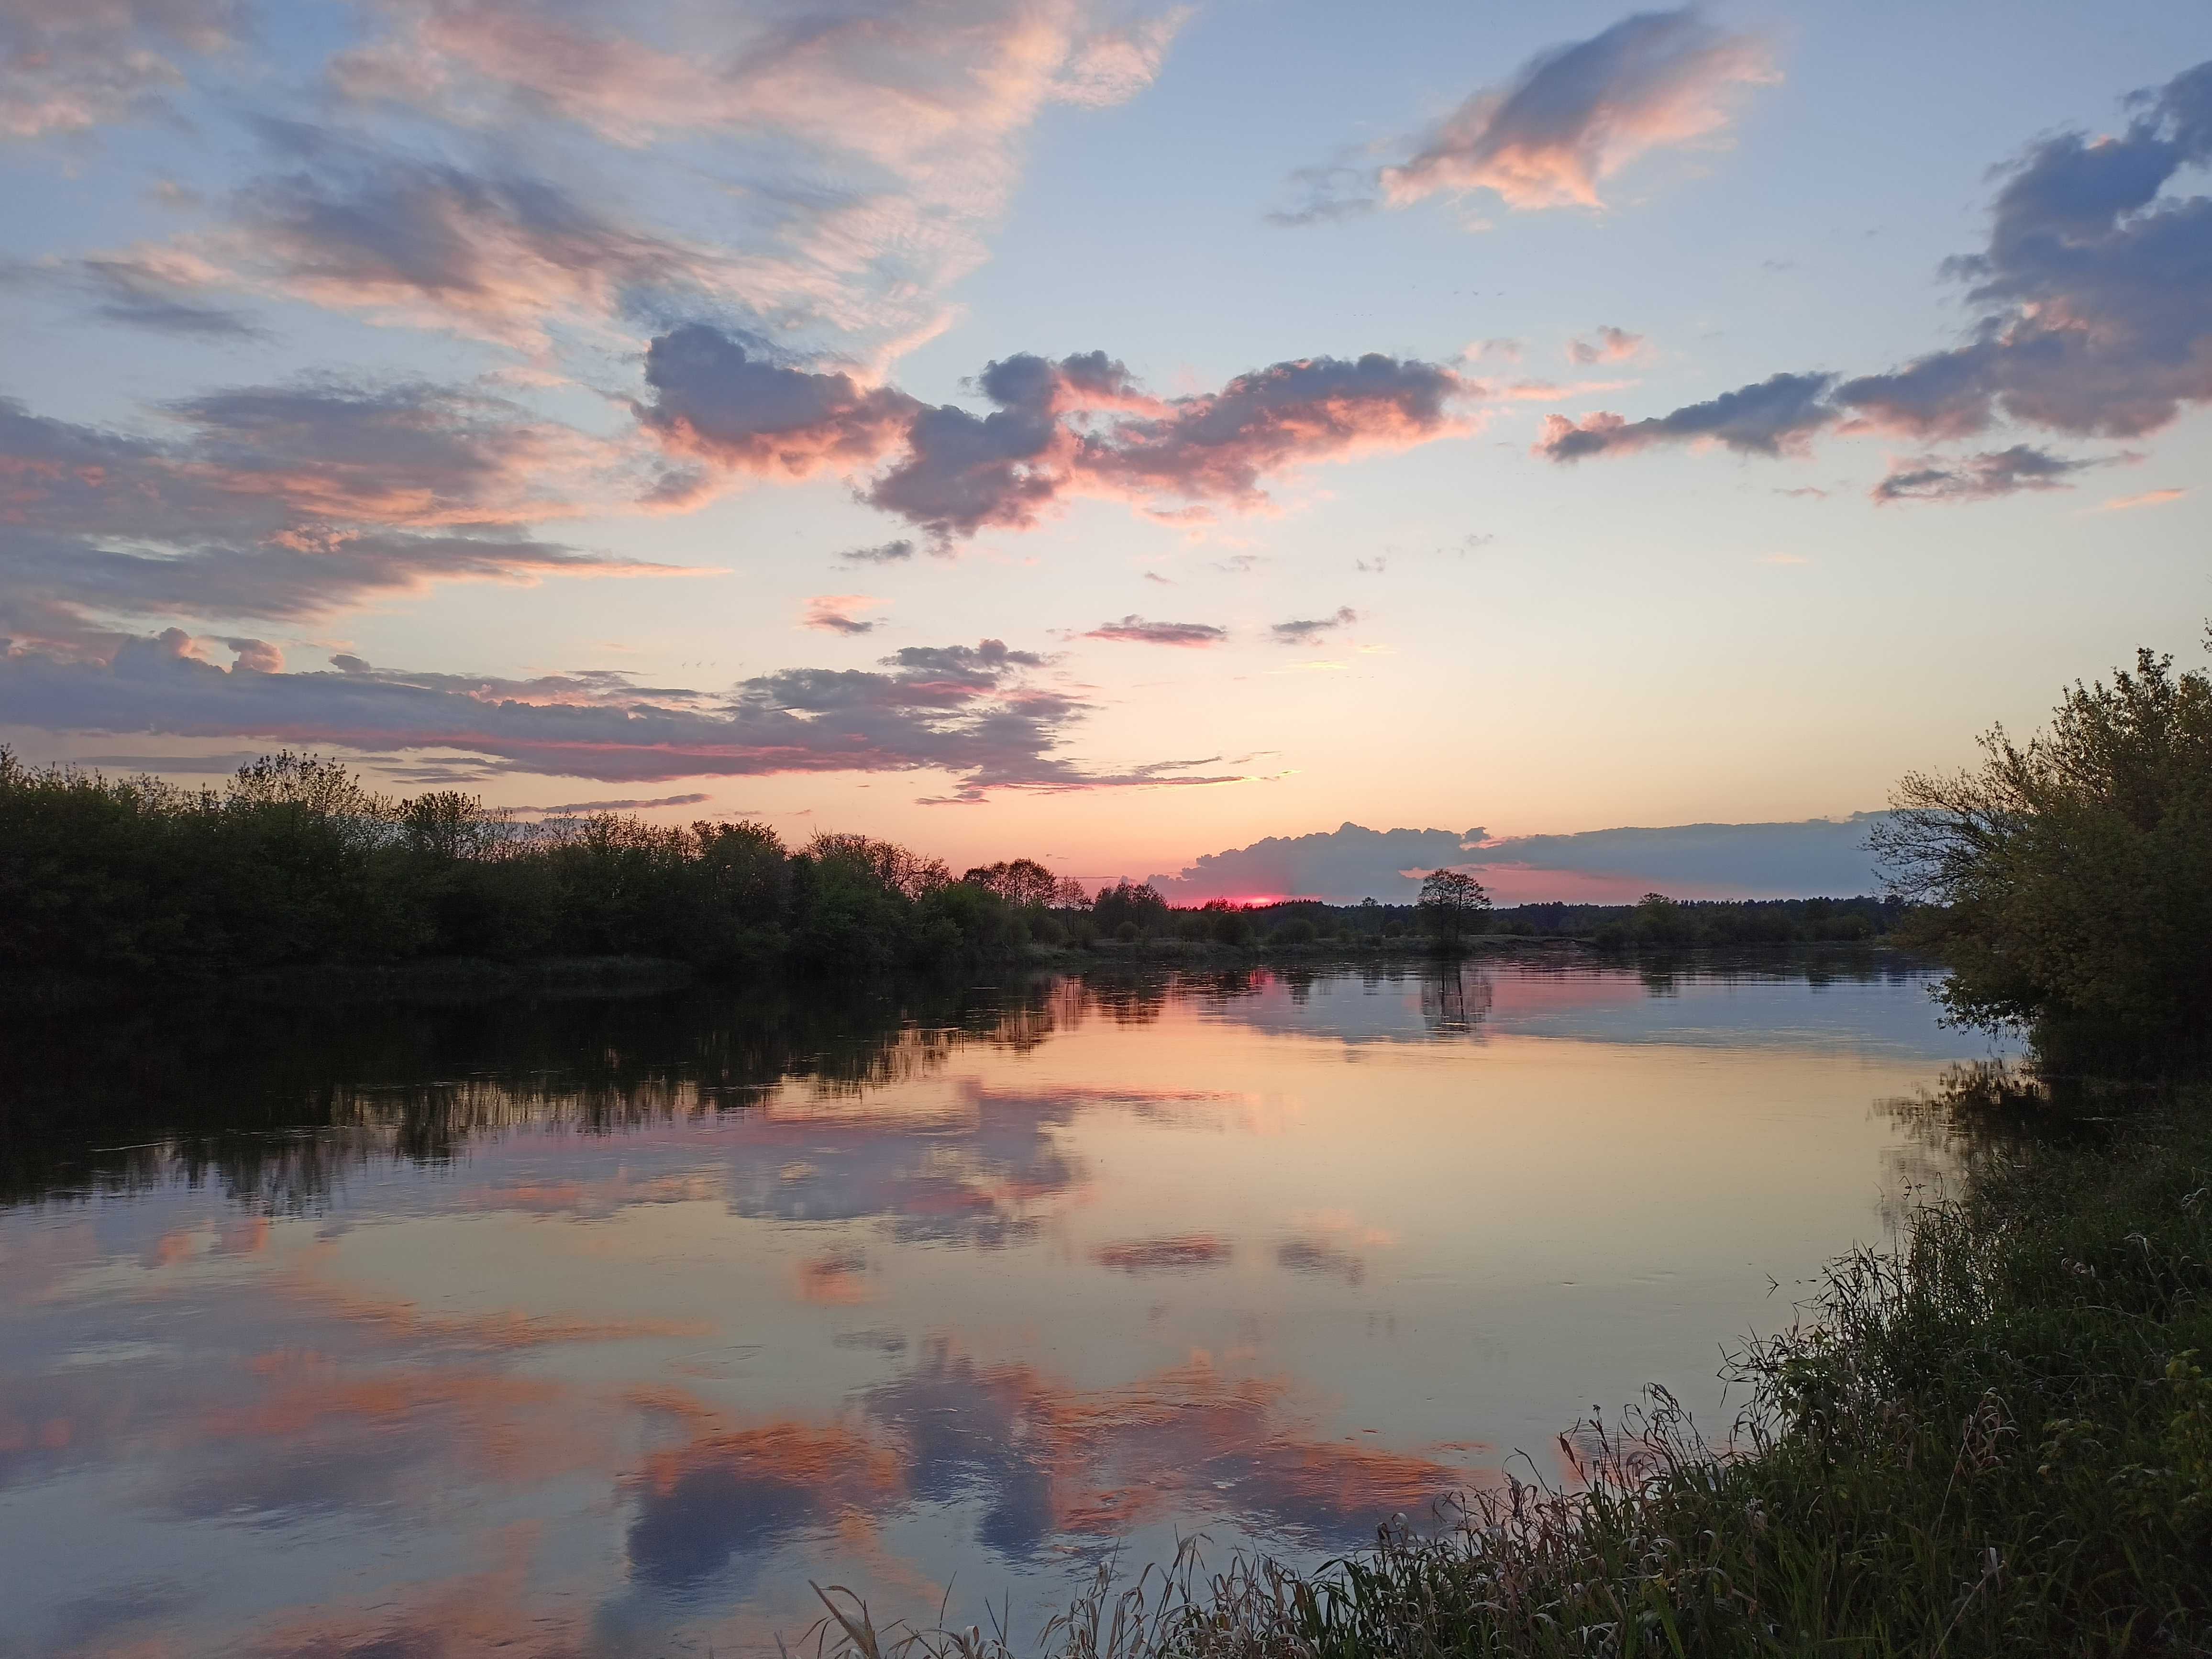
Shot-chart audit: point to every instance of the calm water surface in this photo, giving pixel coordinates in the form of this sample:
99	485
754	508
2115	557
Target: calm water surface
582	1328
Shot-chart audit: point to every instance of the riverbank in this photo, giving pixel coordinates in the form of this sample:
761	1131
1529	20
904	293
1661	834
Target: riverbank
1995	1438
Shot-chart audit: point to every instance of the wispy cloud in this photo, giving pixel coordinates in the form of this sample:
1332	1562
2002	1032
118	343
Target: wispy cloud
1982	477
1135	631
832	613
627	804
66	66
1609	345
2147	498
975	712
883	553
291	503
1305	632
1573	117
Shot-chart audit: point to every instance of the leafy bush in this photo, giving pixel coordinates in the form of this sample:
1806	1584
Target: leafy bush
2073	873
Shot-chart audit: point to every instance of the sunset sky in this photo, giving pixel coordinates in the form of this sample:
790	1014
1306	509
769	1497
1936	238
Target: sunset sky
1104	435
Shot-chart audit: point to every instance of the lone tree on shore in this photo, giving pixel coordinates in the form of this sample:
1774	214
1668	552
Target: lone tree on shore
1452	906
2074	872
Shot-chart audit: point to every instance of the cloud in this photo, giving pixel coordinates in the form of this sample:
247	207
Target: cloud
714	398
864	152
1819	858
1777	416
1135	631
1573	117
67	65
884	553
2098	319
1350	862
971	711
1980	477
2147	498
832	613
1077	426
626	805
498	254
1612	345
152	289
1300	633
2095	315
290	502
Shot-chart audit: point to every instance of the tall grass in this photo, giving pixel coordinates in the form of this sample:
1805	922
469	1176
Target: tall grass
1995	1438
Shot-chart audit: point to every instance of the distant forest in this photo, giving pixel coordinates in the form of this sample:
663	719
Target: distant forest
296	862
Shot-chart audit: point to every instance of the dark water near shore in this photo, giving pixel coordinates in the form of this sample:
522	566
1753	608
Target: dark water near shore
602	1326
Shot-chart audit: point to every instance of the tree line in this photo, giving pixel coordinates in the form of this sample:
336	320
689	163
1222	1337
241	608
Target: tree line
295	860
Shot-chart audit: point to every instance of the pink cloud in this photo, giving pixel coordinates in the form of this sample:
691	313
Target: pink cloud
832	613
1579	113
1571	117
1078	426
2148	498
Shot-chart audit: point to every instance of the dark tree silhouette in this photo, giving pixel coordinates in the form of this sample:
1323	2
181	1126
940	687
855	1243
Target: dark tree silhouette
1453	905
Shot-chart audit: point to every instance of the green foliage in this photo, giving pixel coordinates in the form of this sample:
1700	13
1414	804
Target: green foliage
2074	872
1657	922
1137	904
296	862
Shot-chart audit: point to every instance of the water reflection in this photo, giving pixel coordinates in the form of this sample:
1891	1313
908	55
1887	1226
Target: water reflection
602	1326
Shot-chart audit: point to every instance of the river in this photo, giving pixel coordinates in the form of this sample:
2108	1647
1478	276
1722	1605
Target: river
605	1327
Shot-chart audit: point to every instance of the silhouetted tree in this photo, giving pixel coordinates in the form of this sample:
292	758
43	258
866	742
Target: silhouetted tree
1453	905
1137	904
1021	882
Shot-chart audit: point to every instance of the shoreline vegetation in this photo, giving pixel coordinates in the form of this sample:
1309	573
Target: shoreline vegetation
1993	1437
295	866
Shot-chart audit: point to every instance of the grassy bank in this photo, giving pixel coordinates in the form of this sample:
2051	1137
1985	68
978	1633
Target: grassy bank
1995	1438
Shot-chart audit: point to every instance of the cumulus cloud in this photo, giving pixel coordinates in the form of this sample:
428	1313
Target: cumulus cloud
971	711
1135	631
1610	345
1571	118
715	398
1299	633
289	502
66	65
1777	416
832	613
1351	862
2095	312
1077	426
1819	858
1980	477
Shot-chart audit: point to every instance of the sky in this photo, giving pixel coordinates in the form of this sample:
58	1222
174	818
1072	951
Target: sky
1109	435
